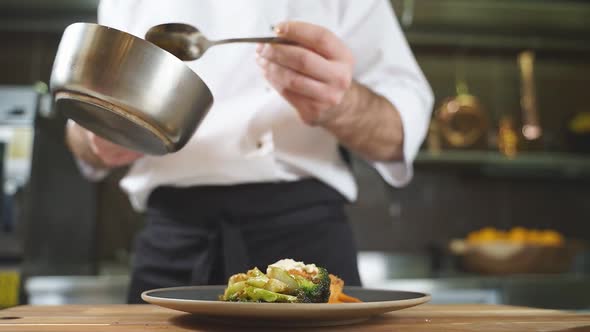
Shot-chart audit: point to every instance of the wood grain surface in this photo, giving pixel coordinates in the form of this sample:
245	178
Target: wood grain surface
448	318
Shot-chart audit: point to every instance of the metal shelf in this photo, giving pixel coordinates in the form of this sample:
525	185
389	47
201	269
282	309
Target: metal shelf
525	164
496	24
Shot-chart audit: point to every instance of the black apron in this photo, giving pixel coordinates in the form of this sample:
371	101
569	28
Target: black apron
202	235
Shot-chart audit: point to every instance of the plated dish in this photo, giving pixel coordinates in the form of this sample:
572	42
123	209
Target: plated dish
259	306
203	302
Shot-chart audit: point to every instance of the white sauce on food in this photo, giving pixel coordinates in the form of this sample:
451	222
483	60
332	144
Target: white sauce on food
289	264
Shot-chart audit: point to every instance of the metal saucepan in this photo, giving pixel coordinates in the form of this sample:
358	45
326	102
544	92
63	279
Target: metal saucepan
127	90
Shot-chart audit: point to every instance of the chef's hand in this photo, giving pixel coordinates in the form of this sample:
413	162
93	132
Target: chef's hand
111	154
315	76
97	151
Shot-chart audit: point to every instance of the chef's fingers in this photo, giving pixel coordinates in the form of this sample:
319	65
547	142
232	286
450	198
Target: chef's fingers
309	110
92	142
121	159
111	154
284	78
308	63
315	37
118	158
100	146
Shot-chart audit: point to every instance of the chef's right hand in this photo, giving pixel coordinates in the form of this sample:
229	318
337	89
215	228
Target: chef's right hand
109	153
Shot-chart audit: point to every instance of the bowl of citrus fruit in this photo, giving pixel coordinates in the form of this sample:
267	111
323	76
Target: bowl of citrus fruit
515	251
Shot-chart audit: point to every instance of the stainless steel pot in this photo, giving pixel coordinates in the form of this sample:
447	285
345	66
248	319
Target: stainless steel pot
127	90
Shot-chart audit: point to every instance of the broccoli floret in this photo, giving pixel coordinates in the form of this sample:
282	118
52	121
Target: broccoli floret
316	290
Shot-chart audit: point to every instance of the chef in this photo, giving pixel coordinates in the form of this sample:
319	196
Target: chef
265	176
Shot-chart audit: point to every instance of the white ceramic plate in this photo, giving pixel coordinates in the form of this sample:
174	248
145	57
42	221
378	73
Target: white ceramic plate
202	301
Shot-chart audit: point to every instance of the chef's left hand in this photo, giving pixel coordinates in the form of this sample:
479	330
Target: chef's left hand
315	75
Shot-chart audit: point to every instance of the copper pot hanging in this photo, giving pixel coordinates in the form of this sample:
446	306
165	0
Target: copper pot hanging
461	119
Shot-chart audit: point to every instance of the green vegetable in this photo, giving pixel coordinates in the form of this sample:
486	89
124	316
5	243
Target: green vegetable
278	285
259	282
316	290
259	294
232	291
285	277
255	272
237	278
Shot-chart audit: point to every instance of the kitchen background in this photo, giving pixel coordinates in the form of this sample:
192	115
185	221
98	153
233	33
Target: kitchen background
65	240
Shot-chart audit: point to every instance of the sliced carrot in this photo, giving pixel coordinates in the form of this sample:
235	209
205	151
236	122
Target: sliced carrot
348	299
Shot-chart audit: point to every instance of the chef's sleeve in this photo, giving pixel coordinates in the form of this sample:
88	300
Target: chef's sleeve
385	64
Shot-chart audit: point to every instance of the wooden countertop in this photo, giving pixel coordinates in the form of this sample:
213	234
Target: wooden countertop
448	318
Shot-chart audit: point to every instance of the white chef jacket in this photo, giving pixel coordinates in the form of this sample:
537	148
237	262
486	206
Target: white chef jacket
252	134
